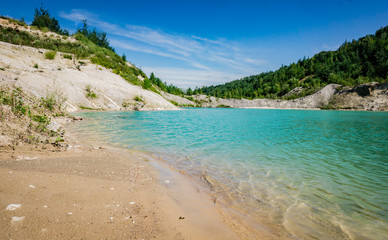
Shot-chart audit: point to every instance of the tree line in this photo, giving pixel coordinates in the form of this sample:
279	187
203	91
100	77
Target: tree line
356	62
164	87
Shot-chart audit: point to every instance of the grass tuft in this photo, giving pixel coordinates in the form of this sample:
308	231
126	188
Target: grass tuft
89	92
68	56
138	99
50	55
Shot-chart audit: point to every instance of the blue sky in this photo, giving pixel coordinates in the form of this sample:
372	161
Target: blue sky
206	42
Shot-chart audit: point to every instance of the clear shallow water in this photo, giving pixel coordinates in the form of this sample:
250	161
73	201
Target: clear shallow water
313	174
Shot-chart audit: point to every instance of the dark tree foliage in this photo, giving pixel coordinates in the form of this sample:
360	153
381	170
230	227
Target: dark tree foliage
164	87
353	63
97	37
43	19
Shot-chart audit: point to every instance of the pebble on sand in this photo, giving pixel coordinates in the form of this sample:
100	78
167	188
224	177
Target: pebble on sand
12	207
17	219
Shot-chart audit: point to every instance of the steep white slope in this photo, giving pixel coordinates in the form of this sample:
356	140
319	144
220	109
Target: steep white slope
69	78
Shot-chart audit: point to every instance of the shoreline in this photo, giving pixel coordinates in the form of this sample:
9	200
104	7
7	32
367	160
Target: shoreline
94	192
258	108
183	187
191	195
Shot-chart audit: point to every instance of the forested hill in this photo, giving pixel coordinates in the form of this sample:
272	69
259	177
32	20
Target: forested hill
359	61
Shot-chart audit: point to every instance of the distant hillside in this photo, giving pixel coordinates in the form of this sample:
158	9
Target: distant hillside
360	61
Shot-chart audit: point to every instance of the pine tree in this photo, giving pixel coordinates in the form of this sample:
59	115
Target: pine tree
43	19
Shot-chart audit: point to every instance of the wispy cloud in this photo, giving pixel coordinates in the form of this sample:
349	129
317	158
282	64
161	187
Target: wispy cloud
207	61
194	77
143	49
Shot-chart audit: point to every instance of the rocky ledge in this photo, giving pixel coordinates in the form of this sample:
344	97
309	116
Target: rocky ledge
369	97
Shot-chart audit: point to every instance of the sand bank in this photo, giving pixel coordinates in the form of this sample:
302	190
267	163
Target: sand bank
88	192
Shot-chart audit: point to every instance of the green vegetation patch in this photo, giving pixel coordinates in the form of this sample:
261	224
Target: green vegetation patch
223	106
30	114
50	55
15	98
89	92
17	22
138	99
86	108
175	103
164	87
68	56
192	99
11	35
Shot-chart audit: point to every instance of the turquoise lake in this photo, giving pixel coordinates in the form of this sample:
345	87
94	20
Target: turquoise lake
313	174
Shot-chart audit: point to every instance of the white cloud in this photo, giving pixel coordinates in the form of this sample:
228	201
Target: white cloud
183	77
208	61
139	48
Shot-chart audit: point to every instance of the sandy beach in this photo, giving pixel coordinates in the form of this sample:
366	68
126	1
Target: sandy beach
94	192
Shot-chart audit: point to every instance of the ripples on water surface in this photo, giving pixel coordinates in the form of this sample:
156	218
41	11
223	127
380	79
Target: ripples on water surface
315	174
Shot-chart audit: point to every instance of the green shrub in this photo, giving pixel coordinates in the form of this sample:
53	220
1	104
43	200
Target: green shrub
36	65
50	55
49	102
14	99
41	118
89	92
223	106
138	99
68	56
127	104
85	108
102	60
175	103
17	40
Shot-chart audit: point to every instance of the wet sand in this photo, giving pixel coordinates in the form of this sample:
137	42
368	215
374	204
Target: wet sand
88	192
